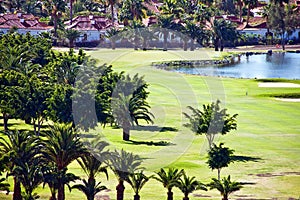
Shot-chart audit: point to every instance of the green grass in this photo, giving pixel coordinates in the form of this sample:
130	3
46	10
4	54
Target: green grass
267	129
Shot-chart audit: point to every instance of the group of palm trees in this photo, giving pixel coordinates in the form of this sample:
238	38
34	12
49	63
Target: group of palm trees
34	160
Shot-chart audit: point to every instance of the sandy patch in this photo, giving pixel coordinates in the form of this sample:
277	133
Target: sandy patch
279	85
288	100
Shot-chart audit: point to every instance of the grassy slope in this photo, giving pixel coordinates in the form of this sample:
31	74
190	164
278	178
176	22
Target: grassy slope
267	129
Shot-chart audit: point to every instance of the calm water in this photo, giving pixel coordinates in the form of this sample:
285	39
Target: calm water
277	65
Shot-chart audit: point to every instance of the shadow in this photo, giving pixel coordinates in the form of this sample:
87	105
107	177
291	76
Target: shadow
244	159
154	128
247	183
151	143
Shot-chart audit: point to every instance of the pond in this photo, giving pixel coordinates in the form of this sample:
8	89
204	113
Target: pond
277	65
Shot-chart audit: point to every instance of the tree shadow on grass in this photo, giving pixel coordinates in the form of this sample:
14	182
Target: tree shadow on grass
150	143
154	128
245	159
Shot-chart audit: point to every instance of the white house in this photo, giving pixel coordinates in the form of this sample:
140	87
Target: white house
93	28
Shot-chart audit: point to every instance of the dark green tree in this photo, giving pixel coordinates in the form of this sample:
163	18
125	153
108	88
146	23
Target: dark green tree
211	121
219	157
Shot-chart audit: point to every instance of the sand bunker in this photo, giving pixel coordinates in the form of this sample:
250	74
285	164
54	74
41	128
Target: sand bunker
288	99
279	85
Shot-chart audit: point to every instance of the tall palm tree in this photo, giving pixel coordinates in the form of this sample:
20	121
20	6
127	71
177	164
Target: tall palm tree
187	185
21	148
137	182
225	186
169	179
123	164
112	3
61	147
129	104
250	5
55	9
92	165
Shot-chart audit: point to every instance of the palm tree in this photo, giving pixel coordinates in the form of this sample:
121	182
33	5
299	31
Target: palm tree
92	165
21	147
137	182
166	23
225	186
61	147
169	179
129	104
113	35
123	164
55	9
112	3
4	160
72	35
90	188
250	5
187	185
30	175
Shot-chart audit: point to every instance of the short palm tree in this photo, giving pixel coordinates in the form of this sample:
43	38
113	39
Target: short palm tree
137	182
169	179
123	164
225	186
187	185
21	148
92	165
61	147
71	35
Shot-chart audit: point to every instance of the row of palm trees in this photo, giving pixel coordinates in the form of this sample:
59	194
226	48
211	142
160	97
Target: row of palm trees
34	160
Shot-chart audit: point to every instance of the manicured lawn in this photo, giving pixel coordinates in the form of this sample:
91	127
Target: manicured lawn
267	129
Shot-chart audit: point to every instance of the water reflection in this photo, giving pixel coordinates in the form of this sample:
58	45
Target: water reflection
277	65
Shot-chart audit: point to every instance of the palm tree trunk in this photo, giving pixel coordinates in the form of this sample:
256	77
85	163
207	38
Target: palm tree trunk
112	12
186	197
17	190
5	121
120	190
55	29
248	15
71	12
61	192
170	194
165	35
126	133
282	41
216	44
136	197
221	45
185	44
219	172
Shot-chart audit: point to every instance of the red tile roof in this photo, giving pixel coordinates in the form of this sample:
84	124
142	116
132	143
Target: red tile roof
89	23
22	21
